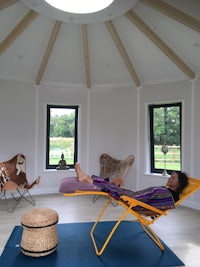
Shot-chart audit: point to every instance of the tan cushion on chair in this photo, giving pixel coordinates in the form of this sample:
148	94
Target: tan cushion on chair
10	186
115	168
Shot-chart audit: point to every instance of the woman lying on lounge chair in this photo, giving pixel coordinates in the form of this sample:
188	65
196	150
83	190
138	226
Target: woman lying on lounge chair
162	197
147	206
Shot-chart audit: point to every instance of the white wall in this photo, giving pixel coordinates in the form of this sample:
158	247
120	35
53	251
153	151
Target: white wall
188	93
59	95
112	120
196	132
180	91
113	129
17	120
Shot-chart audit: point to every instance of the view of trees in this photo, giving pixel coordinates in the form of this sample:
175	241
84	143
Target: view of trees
167	125
62	126
61	135
165	129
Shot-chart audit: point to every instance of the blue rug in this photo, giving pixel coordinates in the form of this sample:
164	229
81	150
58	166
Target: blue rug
129	247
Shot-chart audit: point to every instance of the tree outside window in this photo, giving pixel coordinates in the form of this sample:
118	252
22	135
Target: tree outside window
62	126
165	129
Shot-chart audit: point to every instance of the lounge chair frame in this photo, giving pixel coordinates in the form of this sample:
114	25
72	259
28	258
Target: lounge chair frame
145	219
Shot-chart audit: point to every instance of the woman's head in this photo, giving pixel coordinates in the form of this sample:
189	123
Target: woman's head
183	180
177	181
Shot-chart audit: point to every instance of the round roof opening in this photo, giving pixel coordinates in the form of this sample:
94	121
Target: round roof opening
105	10
80	6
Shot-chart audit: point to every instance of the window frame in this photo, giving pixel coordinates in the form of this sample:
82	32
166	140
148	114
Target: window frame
48	108
151	137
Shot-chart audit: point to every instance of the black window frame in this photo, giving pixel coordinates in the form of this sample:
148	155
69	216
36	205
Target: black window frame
74	107
151	121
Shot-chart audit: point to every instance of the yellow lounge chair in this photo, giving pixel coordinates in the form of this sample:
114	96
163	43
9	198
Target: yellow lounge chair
146	218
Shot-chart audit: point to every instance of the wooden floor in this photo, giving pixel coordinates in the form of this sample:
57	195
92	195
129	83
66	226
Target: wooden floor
180	229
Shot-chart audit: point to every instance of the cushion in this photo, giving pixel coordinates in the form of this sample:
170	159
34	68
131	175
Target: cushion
71	184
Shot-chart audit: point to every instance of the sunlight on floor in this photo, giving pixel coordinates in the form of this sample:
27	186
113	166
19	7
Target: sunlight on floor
192	250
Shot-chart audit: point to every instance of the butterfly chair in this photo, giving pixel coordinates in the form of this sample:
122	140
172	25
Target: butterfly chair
14	183
145	214
114	168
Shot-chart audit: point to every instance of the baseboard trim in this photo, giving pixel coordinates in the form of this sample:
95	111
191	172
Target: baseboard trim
191	204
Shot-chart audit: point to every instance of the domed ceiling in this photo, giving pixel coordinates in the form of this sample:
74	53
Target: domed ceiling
130	43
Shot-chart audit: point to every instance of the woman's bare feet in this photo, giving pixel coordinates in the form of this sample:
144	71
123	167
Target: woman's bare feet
81	175
117	181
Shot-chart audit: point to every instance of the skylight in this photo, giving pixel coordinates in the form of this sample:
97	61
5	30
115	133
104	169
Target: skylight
80	6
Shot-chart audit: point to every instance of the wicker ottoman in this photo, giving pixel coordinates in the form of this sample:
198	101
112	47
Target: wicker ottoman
39	237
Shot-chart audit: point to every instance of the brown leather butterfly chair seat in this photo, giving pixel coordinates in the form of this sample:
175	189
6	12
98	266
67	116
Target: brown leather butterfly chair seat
14	183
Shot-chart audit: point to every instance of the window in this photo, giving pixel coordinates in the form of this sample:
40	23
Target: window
62	127
165	132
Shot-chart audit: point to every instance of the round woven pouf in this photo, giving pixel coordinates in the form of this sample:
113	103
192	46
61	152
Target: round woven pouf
39	237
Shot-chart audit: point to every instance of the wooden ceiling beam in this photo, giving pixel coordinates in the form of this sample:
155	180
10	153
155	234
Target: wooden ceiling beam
21	26
143	27
86	55
48	51
7	3
112	30
174	13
